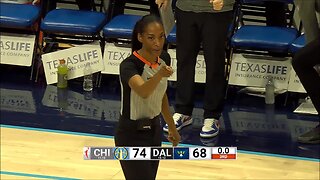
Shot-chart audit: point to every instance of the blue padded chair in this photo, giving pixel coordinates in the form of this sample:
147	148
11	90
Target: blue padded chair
275	39
257	38
120	26
73	22
22	19
18	16
263	38
71	26
119	29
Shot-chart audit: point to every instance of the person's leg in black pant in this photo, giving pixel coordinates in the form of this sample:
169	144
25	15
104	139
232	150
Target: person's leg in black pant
303	63
154	8
214	35
156	141
188	45
136	169
127	136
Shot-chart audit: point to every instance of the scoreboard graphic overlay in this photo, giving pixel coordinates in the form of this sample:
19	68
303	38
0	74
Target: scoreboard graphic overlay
159	153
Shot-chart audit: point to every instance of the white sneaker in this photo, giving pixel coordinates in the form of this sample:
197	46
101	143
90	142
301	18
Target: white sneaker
210	128
180	121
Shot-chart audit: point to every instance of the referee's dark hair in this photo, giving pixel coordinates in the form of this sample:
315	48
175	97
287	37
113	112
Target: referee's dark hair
139	29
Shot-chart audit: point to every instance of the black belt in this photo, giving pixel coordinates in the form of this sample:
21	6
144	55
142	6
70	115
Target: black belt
143	124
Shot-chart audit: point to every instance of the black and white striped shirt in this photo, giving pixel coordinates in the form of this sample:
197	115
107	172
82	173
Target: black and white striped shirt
132	105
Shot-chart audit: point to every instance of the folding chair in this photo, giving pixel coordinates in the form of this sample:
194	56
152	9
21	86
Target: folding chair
21	19
260	37
118	33
253	37
72	27
120	27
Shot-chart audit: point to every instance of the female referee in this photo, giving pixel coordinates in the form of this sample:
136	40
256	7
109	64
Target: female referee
143	78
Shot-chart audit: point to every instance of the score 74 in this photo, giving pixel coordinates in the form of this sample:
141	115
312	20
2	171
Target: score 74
140	153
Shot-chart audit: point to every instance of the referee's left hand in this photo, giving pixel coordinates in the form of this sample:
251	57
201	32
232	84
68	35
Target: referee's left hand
174	137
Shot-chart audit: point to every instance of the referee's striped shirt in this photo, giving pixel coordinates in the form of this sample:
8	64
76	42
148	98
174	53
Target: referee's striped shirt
133	106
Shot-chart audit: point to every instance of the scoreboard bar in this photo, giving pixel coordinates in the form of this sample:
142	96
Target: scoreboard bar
159	153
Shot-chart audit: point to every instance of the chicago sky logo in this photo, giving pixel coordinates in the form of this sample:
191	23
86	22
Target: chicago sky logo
121	153
181	153
86	153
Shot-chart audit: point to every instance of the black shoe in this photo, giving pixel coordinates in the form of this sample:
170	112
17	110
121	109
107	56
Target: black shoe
311	137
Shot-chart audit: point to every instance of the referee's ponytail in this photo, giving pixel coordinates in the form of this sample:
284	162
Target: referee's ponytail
139	28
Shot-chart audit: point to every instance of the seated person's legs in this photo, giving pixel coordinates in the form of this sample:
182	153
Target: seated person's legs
303	63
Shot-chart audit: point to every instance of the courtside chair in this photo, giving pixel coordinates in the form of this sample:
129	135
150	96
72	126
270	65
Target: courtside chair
72	27
21	19
253	36
262	37
119	32
120	27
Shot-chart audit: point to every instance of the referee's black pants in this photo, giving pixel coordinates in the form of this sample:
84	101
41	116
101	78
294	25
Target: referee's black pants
127	135
303	63
210	30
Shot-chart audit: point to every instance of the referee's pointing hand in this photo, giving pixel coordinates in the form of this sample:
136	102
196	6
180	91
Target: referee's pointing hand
165	71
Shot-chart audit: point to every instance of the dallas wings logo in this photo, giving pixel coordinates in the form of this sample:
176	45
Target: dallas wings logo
181	153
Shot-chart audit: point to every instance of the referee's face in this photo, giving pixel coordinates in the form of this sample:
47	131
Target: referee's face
153	38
